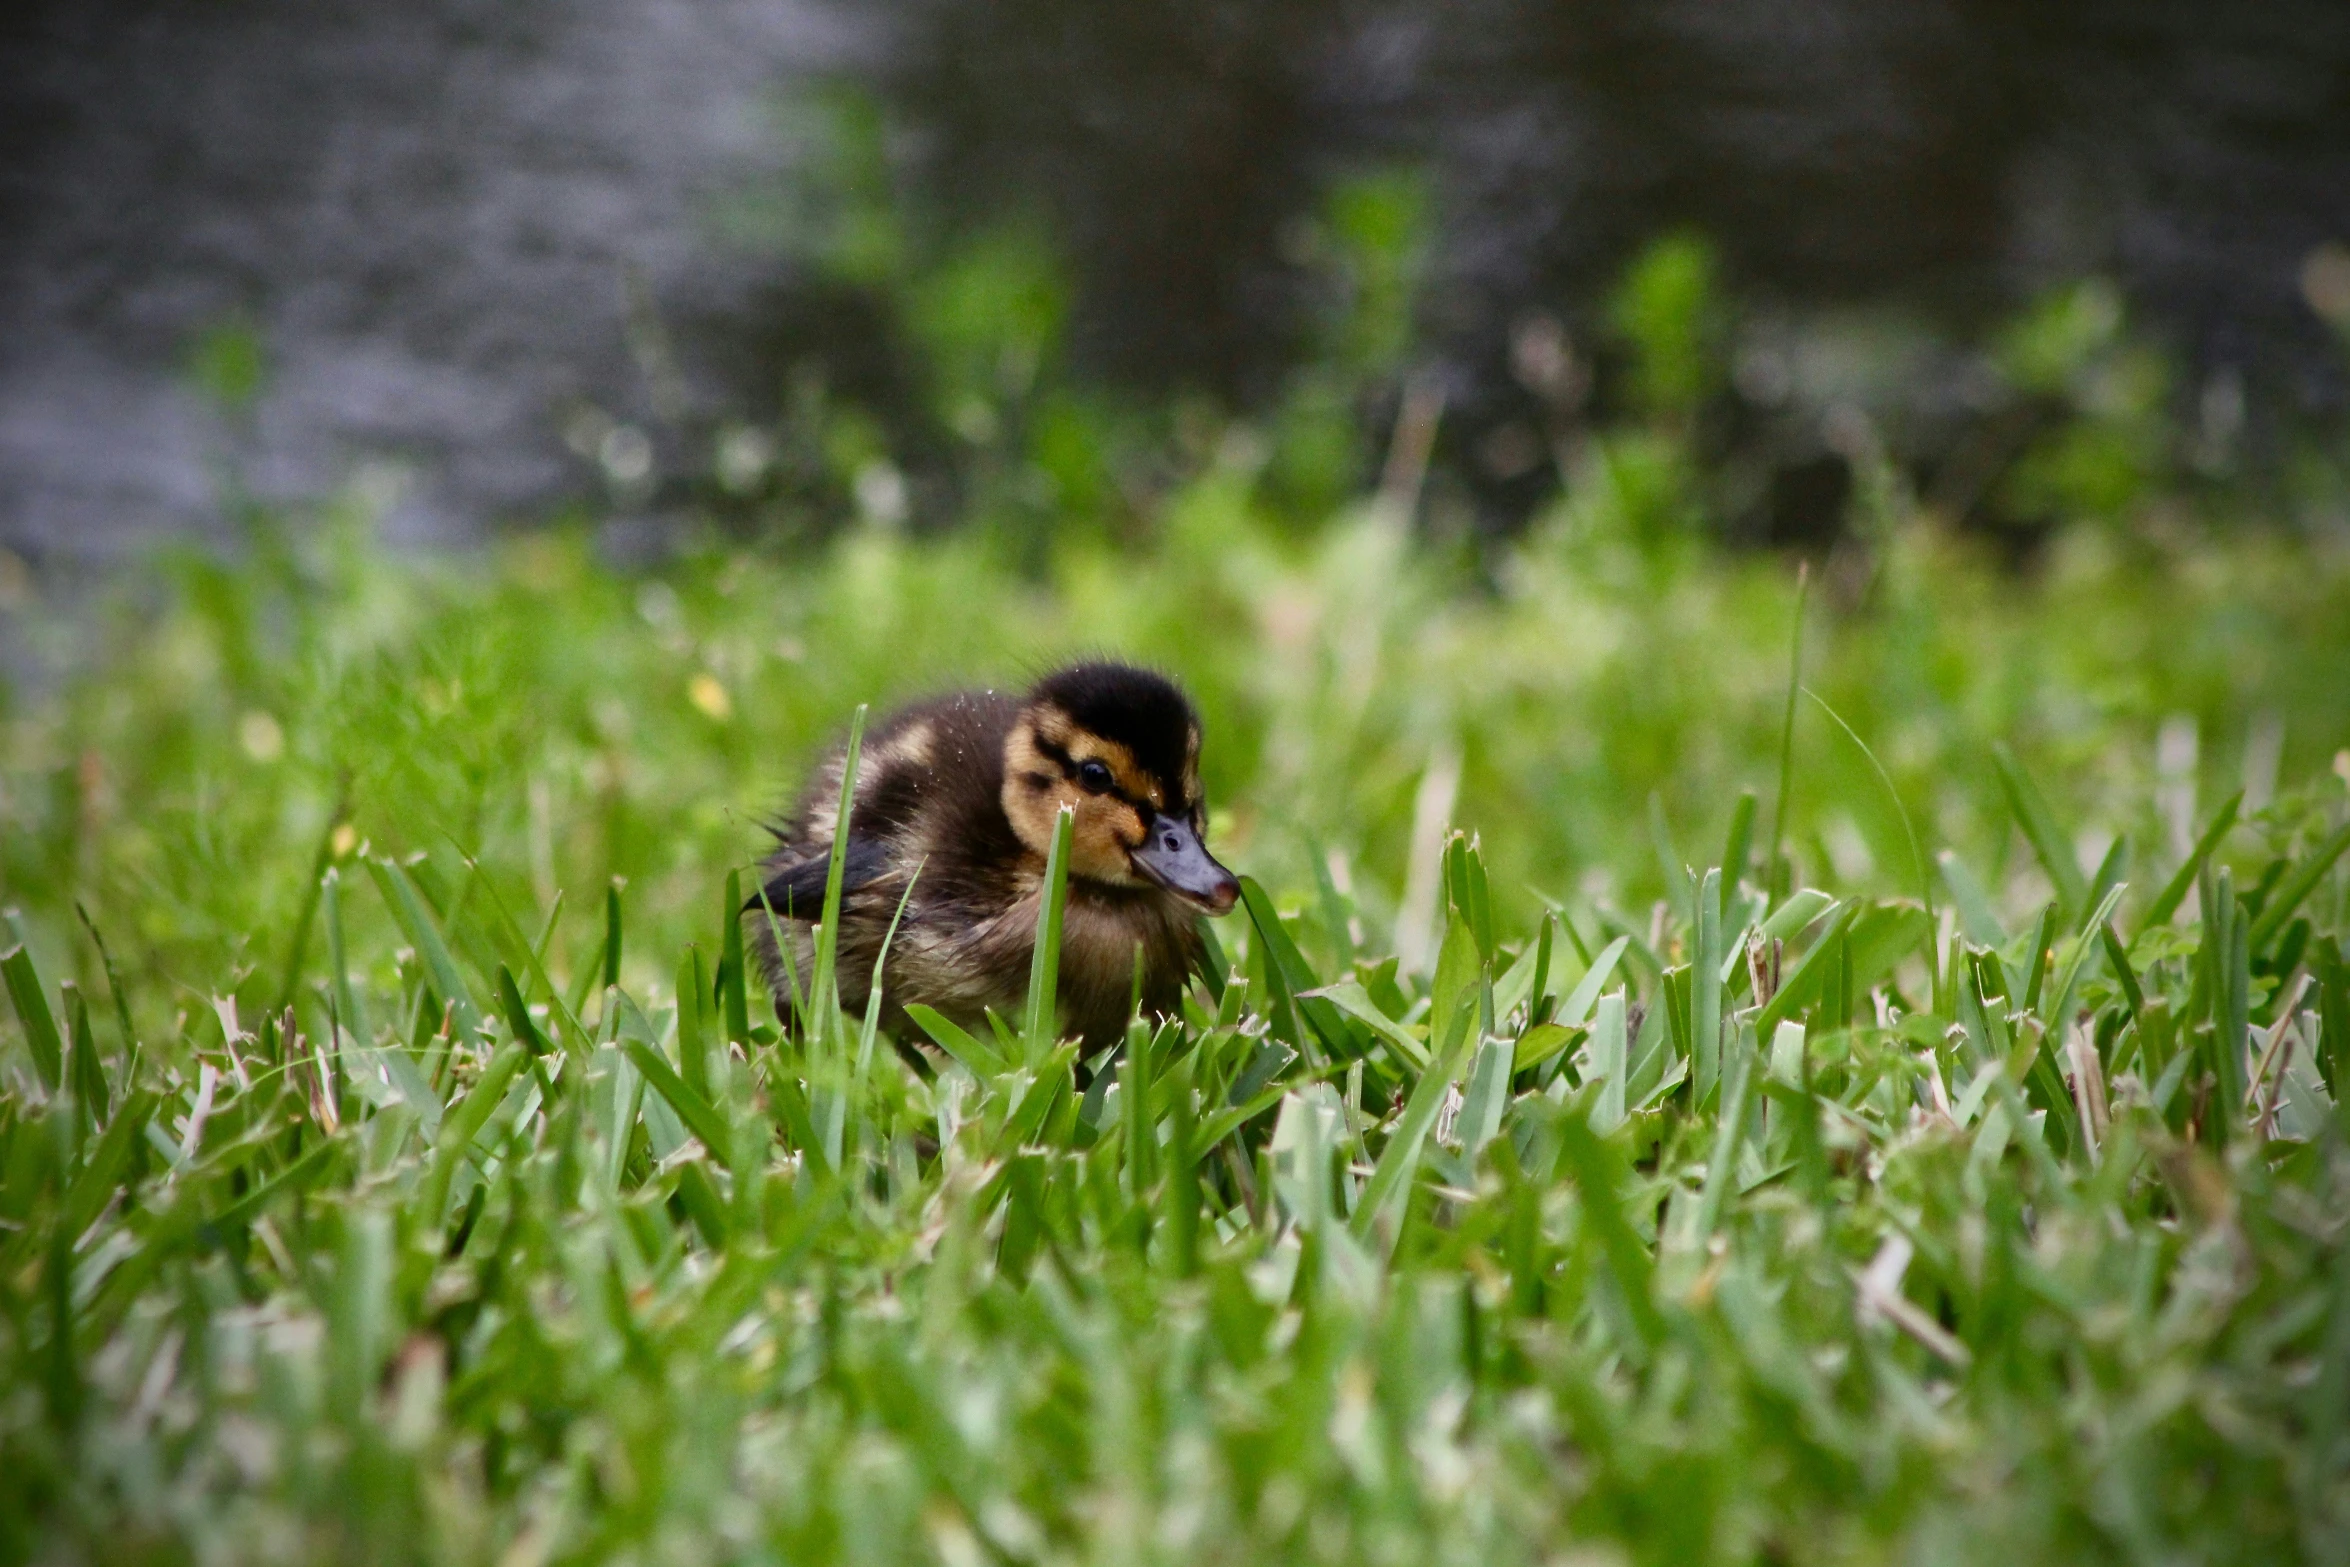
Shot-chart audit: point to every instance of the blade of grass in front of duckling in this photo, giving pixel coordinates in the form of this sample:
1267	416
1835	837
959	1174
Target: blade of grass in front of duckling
795	995
1291	980
828	1044
733	983
872	1026
984	1060
1040	1028
823	982
692	1050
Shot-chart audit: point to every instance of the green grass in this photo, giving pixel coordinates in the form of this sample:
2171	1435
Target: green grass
1942	1169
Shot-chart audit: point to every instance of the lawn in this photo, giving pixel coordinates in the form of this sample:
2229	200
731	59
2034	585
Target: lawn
1714	1065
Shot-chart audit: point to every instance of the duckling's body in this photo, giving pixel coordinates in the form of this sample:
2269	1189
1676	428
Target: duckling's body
956	798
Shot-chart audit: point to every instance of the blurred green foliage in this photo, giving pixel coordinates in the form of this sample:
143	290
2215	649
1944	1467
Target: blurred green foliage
972	407
1669	308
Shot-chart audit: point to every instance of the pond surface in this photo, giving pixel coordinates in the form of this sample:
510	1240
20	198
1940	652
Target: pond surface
450	242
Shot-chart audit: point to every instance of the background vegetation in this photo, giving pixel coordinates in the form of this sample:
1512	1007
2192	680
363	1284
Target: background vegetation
1860	1091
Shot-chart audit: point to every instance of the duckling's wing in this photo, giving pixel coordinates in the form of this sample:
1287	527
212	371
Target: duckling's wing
796	891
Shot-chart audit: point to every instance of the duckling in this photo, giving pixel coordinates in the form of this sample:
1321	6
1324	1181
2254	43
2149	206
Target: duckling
956	800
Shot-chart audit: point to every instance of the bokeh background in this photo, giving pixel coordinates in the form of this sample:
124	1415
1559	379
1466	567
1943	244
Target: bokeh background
522	257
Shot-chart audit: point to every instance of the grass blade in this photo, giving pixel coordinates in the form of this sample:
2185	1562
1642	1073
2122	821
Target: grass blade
85	1073
448	982
1391	1176
693	1050
1351	998
1597	1177
2061	999
734	997
2295	888
980	1057
1909	829
95	1186
1705	990
695	1111
1289	970
823	980
1580	1000
1735	850
519	1022
349	1016
460	1126
122	1006
321	860
1795	990
1040	1029
1787	734
1610	1065
32	1010
611	935
2041	830
2174	892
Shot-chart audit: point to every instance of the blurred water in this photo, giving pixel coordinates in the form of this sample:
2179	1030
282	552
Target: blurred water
456	229
432	218
1948	155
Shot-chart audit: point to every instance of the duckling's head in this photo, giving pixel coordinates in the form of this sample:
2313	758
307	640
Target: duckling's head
1120	748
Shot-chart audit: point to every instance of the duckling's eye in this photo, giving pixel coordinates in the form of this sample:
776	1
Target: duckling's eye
1094	778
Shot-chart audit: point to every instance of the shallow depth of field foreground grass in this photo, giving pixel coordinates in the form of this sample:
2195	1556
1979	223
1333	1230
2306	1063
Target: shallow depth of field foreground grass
1943	1169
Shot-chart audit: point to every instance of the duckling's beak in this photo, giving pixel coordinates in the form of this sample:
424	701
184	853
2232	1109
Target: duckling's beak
1174	857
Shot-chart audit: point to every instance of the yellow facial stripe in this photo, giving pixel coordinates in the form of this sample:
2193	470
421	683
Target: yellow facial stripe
1056	728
